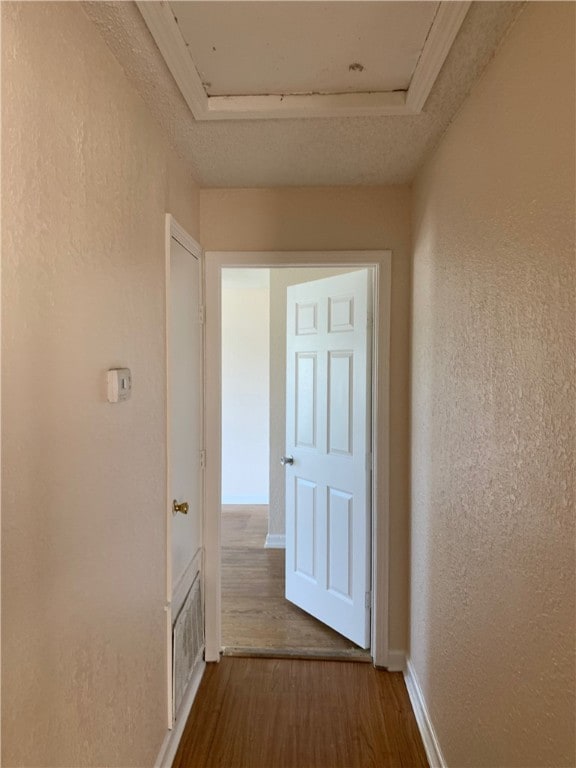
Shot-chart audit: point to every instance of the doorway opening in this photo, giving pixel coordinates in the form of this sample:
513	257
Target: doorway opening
258	618
376	263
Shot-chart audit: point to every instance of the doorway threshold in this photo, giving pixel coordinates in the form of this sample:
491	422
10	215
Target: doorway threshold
319	654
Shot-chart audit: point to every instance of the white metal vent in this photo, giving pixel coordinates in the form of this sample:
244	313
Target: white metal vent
187	642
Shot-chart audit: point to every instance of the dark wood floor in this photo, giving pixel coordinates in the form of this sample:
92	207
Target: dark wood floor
256	618
284	713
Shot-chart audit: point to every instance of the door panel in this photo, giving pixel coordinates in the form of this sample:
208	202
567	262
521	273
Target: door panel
340	404
340	542
305	529
341	313
328	434
306	319
185	407
306	394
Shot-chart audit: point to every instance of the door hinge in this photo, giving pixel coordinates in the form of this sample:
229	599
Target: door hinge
368	600
202	459
369	462
201	314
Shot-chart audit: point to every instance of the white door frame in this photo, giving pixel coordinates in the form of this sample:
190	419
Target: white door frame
381	261
176	231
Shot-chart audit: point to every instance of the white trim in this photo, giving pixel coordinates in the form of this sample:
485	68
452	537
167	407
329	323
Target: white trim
305	105
443	31
429	737
396	661
161	23
160	20
214	262
382	302
172	739
187	241
167	500
275	541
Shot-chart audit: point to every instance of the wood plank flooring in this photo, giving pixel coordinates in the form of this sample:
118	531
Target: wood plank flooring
278	713
255	615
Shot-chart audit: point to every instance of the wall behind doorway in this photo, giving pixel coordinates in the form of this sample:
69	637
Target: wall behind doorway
245	385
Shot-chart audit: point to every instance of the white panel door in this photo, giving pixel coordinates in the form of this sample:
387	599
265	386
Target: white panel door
328	467
185	382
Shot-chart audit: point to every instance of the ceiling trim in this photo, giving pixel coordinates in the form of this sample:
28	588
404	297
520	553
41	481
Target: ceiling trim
164	29
305	105
445	27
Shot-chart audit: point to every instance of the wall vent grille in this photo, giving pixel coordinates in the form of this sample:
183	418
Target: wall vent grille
187	642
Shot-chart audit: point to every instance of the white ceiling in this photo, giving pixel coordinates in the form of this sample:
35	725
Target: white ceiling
242	48
292	152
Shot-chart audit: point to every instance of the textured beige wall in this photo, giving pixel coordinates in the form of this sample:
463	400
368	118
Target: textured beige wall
87	178
338	218
492	616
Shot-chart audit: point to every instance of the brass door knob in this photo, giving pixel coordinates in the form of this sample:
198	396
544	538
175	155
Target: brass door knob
183	508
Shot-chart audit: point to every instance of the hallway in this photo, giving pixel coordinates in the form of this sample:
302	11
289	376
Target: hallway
460	166
272	713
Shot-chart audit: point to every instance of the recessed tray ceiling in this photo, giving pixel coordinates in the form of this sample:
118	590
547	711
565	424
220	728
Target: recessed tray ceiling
375	149
259	48
237	60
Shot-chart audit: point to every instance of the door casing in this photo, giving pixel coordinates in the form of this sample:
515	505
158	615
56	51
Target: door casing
381	262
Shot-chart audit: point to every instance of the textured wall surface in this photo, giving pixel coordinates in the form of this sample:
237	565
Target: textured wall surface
87	179
492	616
338	218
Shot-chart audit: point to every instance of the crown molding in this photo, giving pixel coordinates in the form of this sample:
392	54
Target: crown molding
445	27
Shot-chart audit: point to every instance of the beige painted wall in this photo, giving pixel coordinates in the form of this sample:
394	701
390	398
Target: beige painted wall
87	179
340	218
492	617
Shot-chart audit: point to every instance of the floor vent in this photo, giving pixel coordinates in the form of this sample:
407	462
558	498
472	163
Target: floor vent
187	642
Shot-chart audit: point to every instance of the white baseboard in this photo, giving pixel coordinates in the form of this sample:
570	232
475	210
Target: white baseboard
275	541
431	745
396	661
172	739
